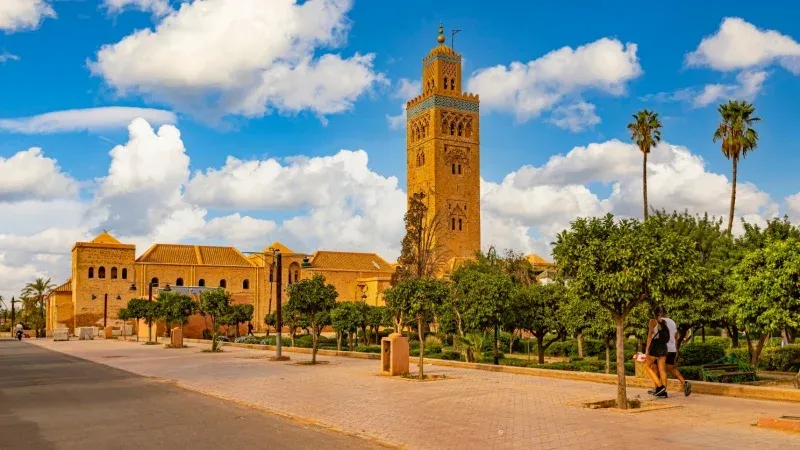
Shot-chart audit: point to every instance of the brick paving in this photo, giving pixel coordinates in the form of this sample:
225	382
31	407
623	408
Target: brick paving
468	409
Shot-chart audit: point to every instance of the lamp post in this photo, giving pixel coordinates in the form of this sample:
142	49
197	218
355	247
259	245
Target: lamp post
13	320
279	317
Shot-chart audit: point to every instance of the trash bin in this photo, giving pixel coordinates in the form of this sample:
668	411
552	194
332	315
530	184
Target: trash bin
108	332
394	355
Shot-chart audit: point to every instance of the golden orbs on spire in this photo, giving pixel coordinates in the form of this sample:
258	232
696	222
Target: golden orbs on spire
440	38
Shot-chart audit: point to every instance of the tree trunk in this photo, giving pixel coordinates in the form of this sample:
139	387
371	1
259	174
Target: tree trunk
540	346
703	331
364	330
681	336
734	336
622	395
338	341
313	345
421	346
350	340
580	345
608	357
644	183
756	353
639	345
733	193
511	343
150	332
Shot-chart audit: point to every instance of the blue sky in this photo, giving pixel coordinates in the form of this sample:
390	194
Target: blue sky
619	59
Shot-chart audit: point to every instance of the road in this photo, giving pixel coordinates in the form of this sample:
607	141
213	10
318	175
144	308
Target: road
50	400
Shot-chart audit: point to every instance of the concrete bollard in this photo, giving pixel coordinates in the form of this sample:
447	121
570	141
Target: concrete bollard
176	339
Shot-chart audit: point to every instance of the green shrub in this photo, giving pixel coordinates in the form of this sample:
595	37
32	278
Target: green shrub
723	342
489	354
432	349
304	341
691	372
516	362
370	349
630	368
555	366
784	359
700	353
450	355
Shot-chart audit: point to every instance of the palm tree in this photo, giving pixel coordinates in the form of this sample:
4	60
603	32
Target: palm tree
646	133
738	138
39	290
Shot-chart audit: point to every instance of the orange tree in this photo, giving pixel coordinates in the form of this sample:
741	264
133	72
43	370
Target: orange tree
617	265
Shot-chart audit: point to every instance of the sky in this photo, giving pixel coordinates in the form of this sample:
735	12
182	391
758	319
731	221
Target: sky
242	122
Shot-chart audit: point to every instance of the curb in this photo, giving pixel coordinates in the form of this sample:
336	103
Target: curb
698	387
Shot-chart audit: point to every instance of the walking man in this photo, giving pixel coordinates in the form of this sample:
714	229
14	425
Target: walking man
672	354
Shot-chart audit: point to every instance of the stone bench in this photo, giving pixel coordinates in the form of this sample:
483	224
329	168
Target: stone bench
61	334
86	333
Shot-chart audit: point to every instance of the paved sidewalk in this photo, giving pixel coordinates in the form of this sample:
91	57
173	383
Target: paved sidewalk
469	409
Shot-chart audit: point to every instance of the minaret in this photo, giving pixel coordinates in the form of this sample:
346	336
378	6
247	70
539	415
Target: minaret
443	148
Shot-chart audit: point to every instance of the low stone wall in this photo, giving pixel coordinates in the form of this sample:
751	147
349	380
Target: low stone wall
698	387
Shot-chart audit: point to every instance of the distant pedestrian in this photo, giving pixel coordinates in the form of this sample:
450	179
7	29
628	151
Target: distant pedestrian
784	339
656	351
250	329
672	354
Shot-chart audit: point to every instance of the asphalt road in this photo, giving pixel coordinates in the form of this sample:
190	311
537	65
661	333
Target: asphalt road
49	400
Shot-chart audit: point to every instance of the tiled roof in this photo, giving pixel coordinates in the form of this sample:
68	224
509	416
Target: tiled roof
105	238
277	246
194	255
365	262
66	287
537	260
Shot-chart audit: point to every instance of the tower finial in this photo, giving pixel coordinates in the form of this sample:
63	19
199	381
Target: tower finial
440	39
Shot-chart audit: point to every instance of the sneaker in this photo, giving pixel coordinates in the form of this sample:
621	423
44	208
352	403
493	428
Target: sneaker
662	393
687	388
659	390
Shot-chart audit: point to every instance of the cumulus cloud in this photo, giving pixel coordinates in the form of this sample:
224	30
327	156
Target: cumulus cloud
741	45
90	119
737	46
23	15
187	59
793	206
529	89
157	7
29	174
575	117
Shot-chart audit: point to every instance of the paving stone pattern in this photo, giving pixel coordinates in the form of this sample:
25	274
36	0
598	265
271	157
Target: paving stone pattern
468	409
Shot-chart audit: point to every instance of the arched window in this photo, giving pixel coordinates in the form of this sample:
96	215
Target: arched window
454	168
101	272
246	284
91	272
223	284
154	282
179	282
453	223
459	224
460	129
296	275
201	282
459	169
452	128
445	82
113	273
124	274
452	84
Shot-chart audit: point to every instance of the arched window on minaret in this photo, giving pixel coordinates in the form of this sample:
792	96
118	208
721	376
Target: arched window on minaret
459	224
445	82
101	272
453	223
460	129
454	168
91	272
459	169
452	84
452	128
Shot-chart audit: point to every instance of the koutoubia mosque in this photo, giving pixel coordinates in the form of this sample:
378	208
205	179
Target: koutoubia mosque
443	162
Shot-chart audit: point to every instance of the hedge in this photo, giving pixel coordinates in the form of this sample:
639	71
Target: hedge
781	359
700	353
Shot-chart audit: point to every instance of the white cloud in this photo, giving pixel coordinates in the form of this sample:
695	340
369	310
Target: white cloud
157	7
90	119
528	89
740	45
407	89
575	117
22	15
243	57
5	56
29	174
793	206
748	85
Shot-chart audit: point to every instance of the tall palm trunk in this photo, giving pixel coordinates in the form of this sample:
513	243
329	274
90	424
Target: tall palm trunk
733	194
644	183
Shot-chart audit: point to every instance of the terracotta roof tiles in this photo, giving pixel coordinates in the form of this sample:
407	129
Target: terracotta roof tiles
364	262
194	255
